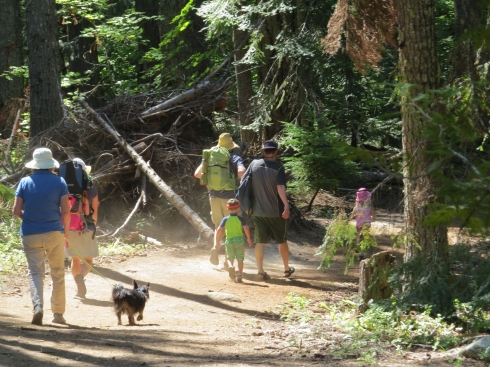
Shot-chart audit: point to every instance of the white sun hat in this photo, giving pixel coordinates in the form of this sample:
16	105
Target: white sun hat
86	168
42	158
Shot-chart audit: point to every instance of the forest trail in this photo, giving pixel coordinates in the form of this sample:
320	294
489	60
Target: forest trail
182	325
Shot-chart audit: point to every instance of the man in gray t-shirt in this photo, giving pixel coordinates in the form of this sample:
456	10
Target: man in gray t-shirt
270	206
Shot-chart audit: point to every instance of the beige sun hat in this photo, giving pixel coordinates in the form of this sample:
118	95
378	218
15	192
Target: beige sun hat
86	168
42	158
227	142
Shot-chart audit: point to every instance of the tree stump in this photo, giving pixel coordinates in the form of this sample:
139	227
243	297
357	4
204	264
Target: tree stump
373	278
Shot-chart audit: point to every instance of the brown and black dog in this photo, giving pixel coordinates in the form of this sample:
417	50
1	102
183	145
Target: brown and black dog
130	301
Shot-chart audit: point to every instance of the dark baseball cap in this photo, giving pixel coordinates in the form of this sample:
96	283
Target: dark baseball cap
270	144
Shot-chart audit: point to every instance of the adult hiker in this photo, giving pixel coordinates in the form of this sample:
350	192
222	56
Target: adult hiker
41	202
219	171
82	243
270	208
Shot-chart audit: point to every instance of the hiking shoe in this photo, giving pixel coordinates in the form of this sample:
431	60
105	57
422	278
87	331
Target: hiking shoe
82	289
362	256
37	317
214	256
239	278
59	319
231	272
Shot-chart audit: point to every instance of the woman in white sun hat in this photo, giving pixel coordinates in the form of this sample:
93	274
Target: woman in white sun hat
41	202
83	243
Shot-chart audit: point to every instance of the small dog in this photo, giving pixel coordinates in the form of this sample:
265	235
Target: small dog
130	301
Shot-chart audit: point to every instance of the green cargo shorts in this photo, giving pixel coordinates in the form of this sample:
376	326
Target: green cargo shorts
267	228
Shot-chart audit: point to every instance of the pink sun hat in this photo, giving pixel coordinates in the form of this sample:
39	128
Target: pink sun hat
362	195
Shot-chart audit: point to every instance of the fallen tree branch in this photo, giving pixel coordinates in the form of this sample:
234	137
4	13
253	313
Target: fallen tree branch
130	215
194	219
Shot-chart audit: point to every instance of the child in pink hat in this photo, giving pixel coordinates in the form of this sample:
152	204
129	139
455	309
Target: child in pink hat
363	212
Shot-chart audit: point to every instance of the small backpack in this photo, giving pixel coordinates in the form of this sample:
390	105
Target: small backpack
216	170
78	210
76	178
245	193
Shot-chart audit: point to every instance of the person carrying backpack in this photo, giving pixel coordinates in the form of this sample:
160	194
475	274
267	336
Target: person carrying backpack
82	242
219	171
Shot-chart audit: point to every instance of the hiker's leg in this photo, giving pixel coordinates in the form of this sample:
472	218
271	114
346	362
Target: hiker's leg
240	266
34	251
55	251
75	266
259	257
84	268
284	252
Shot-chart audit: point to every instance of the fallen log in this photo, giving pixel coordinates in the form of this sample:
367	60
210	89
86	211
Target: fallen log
201	227
180	99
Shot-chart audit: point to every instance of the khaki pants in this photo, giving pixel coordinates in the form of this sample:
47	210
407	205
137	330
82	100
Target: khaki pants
37	247
218	210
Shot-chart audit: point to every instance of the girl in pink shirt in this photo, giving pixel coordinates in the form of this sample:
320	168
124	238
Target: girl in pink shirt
363	211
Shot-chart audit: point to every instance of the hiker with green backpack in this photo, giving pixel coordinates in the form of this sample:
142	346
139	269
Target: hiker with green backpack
220	171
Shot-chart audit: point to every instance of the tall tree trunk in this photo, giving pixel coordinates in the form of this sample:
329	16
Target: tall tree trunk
11	53
418	67
244	87
44	65
83	59
151	32
186	44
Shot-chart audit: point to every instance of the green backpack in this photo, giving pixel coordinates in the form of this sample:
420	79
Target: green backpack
216	173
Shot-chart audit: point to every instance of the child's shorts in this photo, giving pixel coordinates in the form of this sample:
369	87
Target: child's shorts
235	248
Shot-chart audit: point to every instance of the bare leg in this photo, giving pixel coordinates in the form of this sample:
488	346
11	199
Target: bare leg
84	269
75	266
240	266
284	252
259	256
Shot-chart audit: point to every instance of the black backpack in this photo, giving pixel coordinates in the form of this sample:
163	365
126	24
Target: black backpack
76	178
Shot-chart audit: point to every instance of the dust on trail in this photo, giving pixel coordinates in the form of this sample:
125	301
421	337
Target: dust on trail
182	326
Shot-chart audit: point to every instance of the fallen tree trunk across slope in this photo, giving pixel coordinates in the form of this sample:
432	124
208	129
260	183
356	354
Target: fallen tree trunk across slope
166	190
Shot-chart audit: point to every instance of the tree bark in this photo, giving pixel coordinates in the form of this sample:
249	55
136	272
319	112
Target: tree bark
244	87
84	58
151	31
418	67
11	50
46	102
373	278
166	190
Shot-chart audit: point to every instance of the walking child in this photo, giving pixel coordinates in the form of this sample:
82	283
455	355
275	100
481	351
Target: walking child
364	213
233	226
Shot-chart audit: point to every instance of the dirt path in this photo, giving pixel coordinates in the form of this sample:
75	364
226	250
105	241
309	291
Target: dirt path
182	325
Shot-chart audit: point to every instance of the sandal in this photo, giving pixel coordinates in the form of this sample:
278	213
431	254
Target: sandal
263	276
239	278
287	273
214	256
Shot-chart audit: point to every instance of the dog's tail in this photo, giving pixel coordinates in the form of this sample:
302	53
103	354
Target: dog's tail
117	292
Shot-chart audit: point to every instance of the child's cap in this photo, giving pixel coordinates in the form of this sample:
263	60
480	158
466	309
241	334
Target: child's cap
363	195
231	207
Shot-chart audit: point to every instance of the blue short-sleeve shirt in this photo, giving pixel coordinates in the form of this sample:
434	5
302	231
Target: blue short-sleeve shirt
41	193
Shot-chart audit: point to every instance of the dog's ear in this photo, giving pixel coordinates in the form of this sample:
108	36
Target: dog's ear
148	285
135	285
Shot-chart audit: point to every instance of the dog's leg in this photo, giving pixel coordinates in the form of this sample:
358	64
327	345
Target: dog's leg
119	318
131	320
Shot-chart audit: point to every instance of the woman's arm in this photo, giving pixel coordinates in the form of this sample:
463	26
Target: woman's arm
18	206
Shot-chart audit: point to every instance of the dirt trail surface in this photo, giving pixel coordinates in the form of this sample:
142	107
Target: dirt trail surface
182	325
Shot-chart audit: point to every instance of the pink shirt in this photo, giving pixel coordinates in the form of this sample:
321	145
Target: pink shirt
363	215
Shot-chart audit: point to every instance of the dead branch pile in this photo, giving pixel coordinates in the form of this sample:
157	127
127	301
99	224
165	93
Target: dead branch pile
167	130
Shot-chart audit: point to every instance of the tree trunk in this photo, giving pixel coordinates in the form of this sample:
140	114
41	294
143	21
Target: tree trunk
11	50
373	278
194	219
187	42
418	67
44	65
83	59
151	31
244	87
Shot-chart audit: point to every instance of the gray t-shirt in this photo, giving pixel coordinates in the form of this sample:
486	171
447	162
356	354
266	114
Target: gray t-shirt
266	175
